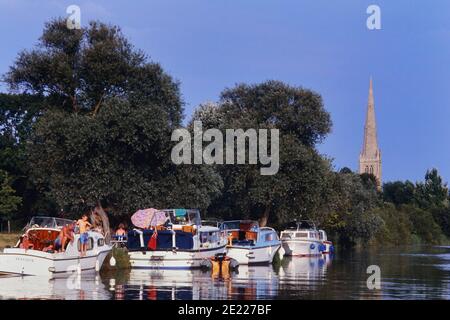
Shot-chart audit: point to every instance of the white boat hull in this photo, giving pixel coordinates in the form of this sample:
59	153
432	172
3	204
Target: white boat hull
305	248
168	259
253	255
31	262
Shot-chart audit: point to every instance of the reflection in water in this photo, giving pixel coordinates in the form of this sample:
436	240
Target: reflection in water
87	286
406	273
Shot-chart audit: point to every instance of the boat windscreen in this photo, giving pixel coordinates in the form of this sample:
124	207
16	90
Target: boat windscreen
230	225
48	222
294	225
184	216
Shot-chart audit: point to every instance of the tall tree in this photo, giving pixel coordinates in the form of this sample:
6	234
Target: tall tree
300	184
433	192
103	134
78	69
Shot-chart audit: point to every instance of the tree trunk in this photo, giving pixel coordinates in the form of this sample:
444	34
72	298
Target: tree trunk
265	217
104	222
9	226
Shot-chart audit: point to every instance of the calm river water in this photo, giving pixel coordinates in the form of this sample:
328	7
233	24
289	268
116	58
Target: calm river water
406	273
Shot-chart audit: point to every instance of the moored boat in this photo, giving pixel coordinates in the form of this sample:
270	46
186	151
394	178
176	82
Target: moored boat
250	244
33	260
177	241
302	239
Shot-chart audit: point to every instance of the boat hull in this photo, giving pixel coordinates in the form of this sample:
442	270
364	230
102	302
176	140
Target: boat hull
303	248
31	262
253	255
168	259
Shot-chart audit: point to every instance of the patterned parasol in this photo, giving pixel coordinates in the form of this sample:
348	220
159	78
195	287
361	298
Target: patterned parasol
148	217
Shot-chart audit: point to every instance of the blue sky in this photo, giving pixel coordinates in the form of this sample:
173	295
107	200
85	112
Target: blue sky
323	45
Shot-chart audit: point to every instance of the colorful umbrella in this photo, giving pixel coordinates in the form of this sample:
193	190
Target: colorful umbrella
148	217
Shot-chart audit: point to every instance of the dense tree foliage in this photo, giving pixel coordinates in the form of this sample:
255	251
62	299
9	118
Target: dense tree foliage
300	184
9	202
102	133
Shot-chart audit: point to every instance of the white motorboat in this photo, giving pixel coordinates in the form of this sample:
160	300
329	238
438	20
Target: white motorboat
44	230
182	242
301	239
250	244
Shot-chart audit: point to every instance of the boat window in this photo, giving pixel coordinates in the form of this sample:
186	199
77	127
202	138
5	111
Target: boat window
321	235
184	216
286	235
312	235
101	242
269	237
230	225
209	237
301	235
90	244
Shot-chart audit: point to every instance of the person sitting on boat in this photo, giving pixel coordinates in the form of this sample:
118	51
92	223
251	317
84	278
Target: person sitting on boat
121	232
49	247
84	227
26	243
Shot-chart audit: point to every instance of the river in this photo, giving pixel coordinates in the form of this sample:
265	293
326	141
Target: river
406	273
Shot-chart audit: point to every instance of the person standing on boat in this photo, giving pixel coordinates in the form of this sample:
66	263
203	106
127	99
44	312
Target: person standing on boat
84	227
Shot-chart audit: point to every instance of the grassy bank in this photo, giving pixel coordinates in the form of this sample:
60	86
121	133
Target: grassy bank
8	239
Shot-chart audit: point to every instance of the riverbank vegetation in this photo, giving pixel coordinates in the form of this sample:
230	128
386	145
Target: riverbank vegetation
88	122
8	239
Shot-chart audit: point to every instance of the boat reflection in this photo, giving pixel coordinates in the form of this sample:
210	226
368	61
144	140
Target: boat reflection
304	268
305	275
247	283
87	286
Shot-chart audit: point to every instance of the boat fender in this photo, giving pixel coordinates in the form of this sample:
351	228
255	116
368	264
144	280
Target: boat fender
322	247
312	246
112	261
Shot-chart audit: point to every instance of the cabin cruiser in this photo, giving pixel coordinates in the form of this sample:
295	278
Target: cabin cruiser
250	244
302	239
42	231
172	239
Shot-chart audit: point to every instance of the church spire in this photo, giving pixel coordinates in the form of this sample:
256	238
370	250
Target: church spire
370	147
370	157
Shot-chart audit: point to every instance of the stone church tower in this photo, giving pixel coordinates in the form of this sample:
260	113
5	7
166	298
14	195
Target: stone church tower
370	157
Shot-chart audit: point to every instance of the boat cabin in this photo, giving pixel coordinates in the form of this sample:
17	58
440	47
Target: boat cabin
182	231
301	230
242	232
